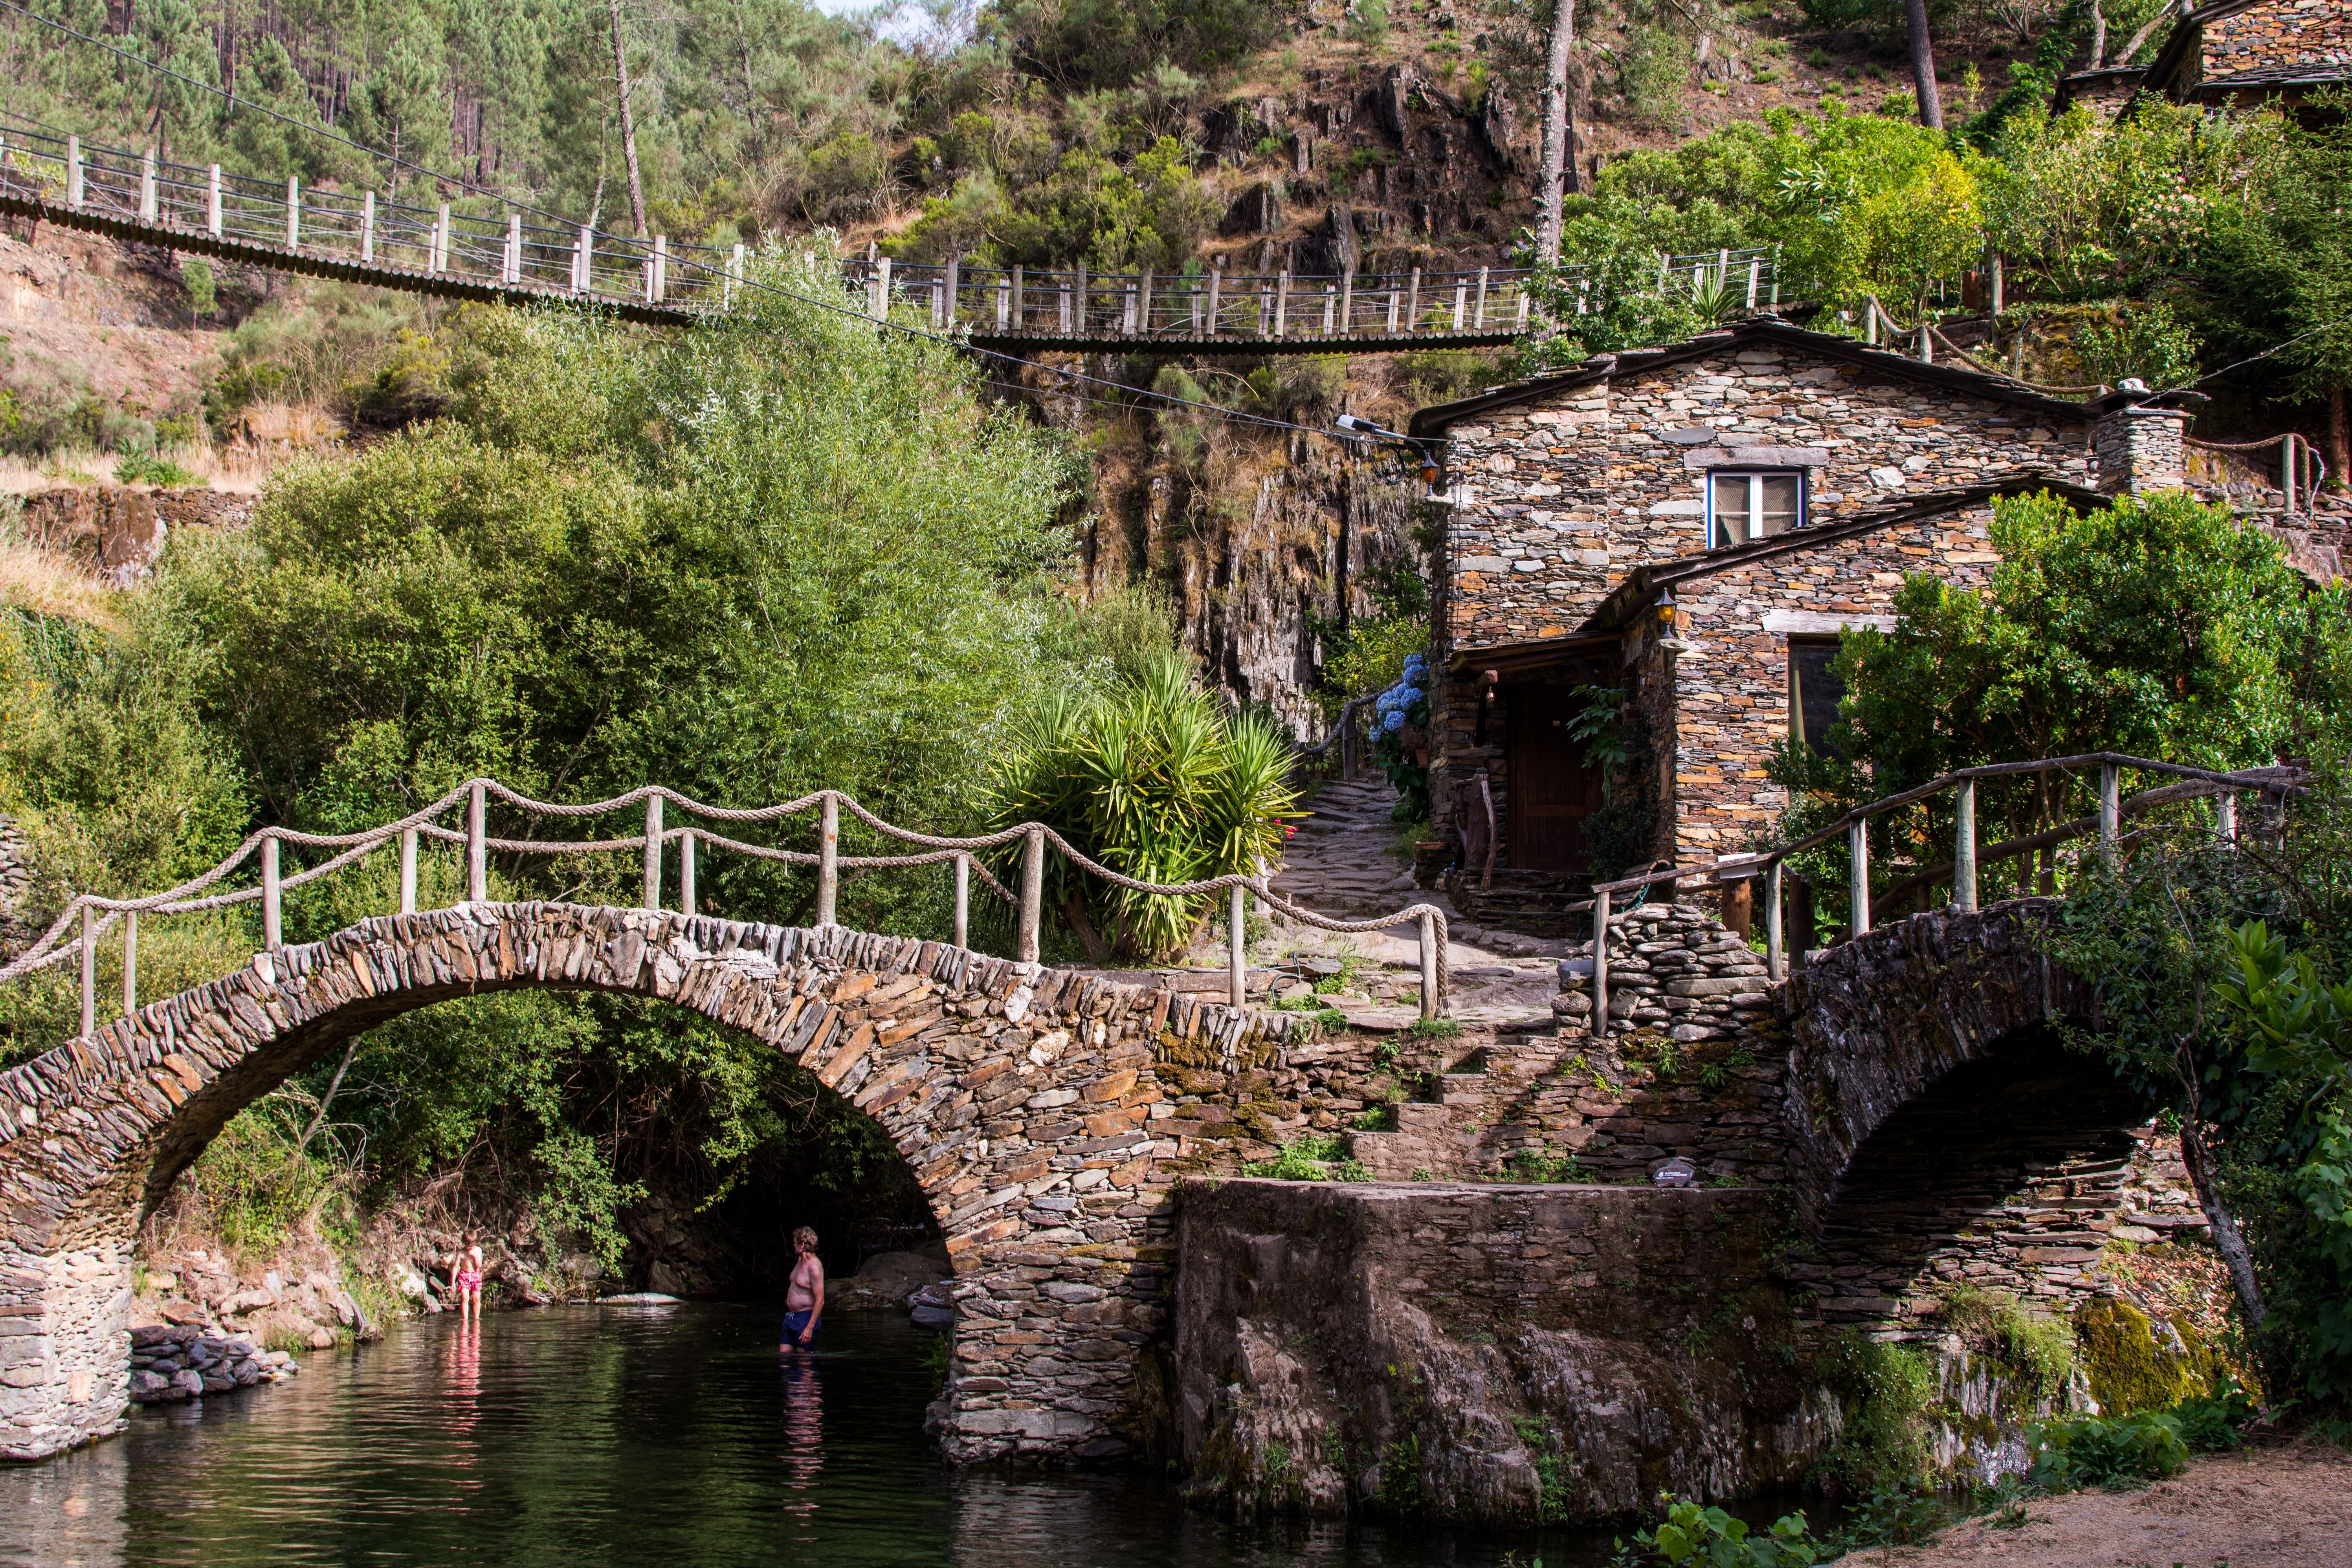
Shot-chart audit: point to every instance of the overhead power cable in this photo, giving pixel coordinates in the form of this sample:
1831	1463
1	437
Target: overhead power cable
313	128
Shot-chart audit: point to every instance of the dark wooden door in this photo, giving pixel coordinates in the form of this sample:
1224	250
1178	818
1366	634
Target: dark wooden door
1553	788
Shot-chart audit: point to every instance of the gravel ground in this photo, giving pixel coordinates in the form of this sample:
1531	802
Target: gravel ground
2281	1507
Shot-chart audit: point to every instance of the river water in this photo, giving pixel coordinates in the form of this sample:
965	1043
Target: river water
578	1437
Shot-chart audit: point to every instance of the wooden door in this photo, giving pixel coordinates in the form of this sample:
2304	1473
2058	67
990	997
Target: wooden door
1553	788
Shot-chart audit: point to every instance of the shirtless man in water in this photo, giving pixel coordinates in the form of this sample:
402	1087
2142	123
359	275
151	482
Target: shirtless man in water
805	1297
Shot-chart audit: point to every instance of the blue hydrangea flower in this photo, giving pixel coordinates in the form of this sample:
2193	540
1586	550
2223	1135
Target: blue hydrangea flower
1393	722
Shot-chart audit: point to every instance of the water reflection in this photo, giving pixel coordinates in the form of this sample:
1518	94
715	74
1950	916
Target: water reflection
579	1438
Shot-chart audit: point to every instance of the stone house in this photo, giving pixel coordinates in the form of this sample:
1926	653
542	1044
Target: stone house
2233	54
1694	527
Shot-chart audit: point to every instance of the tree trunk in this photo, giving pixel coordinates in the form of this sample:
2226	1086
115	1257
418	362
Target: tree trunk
1555	131
2339	437
2098	37
2228	1239
1073	909
327	1099
628	127
1922	66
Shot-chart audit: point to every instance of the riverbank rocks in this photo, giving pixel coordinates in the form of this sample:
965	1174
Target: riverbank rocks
170	1364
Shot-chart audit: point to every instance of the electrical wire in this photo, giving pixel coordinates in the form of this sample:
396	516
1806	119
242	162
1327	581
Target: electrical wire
1214	410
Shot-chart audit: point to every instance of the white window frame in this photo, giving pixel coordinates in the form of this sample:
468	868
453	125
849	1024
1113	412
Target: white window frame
1755	477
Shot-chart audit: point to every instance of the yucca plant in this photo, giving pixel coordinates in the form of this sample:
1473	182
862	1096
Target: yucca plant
1152	780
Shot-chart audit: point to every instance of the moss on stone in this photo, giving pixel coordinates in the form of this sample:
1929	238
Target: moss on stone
2136	1363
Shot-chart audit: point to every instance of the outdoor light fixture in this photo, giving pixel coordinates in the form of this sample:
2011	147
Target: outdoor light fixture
1424	458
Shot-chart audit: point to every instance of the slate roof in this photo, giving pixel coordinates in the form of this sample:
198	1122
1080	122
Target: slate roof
1757	331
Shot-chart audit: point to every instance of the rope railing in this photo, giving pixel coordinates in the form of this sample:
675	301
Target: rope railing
89	917
1968	858
412	246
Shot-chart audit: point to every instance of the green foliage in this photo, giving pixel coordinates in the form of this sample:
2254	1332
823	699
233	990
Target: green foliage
148	468
2040	1348
1310	1157
2104	1451
196	276
2156	625
1886	1392
1150	779
2148	343
2135	1366
1077	43
1710	1538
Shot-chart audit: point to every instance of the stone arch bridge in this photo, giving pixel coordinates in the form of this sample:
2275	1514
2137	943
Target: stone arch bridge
1048	1115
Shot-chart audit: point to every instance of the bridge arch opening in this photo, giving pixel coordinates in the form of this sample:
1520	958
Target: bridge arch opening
2002	1175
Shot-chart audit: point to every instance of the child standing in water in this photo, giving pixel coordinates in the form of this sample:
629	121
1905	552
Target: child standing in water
803	1296
469	1281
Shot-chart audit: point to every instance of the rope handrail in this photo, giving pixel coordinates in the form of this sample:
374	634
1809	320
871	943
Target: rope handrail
99	914
1961	870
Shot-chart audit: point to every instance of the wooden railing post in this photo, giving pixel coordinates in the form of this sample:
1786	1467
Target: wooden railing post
1413	303
686	872
478	846
367	225
408	870
1601	965
147	186
129	961
293	212
1216	286
583	260
1776	958
513	268
1428	967
963	901
73	199
2111	811
1858	874
438	259
213	202
828	859
1237	946
652	899
1964	848
1032	896
272	898
89	972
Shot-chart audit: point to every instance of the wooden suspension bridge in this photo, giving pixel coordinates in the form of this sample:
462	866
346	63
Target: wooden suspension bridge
325	231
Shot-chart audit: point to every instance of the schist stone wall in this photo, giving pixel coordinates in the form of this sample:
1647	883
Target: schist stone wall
1558	499
2278	33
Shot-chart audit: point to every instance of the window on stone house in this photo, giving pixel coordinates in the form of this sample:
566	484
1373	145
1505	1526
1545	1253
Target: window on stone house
1814	689
1744	504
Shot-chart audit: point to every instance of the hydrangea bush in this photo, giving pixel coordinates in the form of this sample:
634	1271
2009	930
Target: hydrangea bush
1400	730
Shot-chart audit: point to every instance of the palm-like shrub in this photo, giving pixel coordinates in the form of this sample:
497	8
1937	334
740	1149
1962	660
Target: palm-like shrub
1152	780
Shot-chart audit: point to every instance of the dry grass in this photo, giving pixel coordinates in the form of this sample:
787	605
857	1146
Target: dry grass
48	583
280	429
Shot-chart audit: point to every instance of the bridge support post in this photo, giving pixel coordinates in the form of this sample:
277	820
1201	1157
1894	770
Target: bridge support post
408	870
367	225
1032	894
129	961
213	202
2111	811
686	872
1237	946
963	901
73	171
828	859
1858	874
272	898
1428	967
1776	957
293	212
478	846
89	972
1601	965
1964	848
652	899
